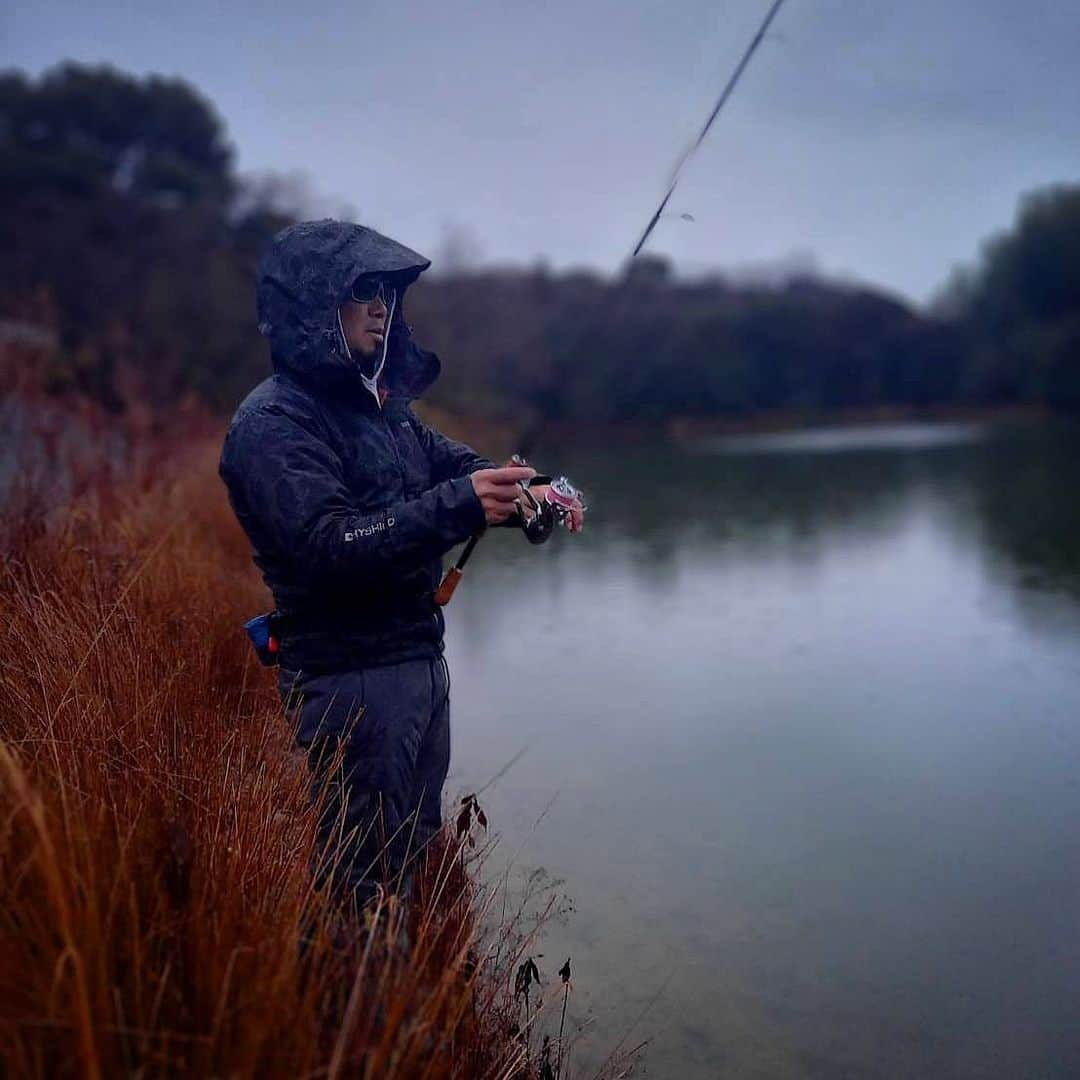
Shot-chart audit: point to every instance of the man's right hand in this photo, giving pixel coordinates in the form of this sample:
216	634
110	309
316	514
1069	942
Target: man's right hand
497	490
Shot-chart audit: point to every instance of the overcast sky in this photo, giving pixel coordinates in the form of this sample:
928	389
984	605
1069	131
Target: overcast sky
887	139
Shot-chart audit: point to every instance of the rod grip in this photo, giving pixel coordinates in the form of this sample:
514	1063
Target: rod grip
448	585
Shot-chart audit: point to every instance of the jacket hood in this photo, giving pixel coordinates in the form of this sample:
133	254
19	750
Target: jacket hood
307	274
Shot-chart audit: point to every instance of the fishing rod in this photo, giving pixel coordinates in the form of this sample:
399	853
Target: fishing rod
537	519
725	94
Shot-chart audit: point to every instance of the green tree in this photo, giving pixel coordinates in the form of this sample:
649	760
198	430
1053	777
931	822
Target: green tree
1021	306
82	130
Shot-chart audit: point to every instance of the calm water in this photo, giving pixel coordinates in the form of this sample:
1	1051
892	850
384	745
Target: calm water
801	732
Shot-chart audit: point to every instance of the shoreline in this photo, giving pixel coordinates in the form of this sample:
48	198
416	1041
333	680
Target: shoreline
502	435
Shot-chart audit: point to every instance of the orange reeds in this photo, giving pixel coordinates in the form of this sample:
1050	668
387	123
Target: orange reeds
157	910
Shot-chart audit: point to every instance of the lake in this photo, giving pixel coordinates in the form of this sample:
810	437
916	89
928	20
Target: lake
798	724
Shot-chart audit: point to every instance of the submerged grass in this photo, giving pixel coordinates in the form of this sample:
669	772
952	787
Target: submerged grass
156	832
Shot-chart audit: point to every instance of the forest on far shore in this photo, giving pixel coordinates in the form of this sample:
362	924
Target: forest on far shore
131	243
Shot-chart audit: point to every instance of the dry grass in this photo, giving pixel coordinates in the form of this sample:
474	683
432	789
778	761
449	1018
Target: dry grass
155	826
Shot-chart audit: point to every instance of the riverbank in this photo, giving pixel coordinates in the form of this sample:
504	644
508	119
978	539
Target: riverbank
157	913
502	437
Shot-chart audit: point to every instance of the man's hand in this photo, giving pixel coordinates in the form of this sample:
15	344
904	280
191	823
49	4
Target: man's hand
576	522
577	511
497	490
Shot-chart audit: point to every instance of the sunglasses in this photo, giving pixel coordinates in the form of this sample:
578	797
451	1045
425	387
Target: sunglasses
366	290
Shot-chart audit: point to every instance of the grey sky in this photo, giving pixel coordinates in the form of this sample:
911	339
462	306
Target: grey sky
887	138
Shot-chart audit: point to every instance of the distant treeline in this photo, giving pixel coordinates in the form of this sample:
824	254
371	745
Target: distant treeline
127	233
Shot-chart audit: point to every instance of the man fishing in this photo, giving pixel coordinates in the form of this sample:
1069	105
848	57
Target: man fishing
349	502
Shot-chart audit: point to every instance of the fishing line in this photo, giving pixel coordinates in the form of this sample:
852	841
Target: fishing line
721	101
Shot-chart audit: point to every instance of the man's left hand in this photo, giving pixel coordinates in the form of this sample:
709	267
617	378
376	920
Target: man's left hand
576	521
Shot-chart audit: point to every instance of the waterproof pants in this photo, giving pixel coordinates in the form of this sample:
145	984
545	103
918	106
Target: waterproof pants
383	795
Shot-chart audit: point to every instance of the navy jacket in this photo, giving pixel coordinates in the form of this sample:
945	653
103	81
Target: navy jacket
349	504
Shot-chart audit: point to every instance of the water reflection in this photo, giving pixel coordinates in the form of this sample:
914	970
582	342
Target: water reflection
768	496
1025	496
814	748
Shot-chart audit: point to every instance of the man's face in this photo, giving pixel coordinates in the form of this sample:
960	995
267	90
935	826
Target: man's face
364	325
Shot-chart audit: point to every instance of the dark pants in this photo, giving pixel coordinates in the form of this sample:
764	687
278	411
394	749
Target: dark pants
383	799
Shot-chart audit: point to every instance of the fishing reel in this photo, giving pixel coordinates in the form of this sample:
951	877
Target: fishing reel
535	517
538	518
